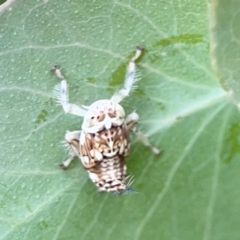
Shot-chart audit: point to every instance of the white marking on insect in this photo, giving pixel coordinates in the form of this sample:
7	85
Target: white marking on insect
103	142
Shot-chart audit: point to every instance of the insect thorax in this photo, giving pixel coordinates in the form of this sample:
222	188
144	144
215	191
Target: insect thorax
103	114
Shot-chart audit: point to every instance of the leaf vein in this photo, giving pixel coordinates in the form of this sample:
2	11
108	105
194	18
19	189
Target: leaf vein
173	171
216	170
161	33
38	209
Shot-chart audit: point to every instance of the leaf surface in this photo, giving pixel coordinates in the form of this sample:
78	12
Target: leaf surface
190	190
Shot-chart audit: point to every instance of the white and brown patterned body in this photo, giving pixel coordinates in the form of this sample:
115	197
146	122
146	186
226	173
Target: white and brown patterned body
107	149
103	152
103	141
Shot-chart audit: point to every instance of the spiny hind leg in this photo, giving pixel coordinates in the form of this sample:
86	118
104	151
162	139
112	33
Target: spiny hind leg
131	78
131	121
71	142
61	95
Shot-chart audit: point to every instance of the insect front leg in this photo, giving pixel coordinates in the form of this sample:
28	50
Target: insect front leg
61	95
72	143
131	121
131	78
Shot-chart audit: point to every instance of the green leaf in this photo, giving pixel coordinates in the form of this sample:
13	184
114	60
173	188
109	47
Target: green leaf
190	190
225	45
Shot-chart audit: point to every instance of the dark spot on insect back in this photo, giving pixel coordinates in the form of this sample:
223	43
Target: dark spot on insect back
112	115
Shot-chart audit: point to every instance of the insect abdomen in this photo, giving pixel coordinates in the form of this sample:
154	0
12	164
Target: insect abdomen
103	155
109	174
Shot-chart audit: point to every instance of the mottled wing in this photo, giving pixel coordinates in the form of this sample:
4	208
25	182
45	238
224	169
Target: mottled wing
104	144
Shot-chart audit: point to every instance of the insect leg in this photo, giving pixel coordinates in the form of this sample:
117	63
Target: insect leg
131	78
72	142
61	96
145	141
131	121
